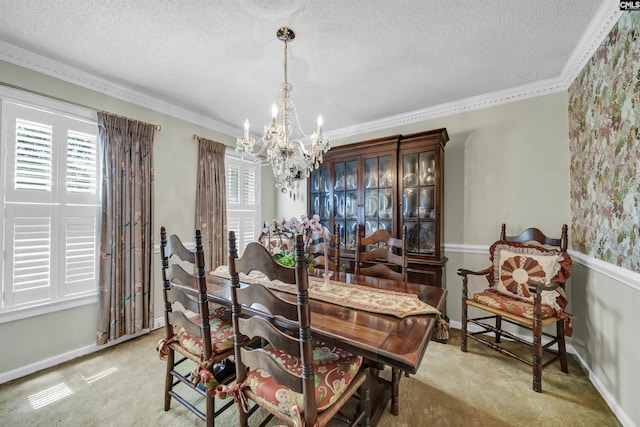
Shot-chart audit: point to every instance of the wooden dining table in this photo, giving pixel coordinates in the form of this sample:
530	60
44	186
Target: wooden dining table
382	340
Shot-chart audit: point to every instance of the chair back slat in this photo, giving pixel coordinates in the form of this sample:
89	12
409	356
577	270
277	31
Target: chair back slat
257	258
272	303
184	296
179	318
376	262
536	235
332	244
255	326
176	247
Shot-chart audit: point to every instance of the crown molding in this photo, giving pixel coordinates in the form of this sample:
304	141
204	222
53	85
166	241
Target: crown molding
599	28
532	90
605	18
41	64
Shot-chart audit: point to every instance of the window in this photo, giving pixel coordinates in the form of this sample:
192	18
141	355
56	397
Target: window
243	208
49	207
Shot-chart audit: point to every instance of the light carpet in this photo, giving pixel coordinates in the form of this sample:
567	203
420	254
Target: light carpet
123	386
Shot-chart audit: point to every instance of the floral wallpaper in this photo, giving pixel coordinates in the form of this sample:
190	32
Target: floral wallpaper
604	144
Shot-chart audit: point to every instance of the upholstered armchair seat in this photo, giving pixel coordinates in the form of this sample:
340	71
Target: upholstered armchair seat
516	306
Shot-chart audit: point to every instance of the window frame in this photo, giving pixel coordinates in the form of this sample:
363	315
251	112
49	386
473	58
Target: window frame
241	210
68	112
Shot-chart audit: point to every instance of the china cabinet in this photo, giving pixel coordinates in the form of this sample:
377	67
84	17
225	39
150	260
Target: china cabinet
386	183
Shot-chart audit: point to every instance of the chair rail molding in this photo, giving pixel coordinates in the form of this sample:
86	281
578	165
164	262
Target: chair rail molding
622	275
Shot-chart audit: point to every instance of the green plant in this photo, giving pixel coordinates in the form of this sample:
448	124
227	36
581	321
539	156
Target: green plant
289	259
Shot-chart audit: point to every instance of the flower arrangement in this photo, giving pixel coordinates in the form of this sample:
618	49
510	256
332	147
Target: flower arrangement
309	228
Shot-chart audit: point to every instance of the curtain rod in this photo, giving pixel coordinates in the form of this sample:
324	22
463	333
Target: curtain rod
77	104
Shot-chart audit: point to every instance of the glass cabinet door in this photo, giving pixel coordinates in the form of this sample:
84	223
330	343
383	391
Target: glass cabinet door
345	201
378	194
320	201
419	202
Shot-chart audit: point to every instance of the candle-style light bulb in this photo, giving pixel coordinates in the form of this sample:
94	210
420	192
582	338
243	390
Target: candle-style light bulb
246	128
274	113
319	129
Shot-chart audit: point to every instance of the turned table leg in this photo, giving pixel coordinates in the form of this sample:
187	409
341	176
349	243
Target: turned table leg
395	390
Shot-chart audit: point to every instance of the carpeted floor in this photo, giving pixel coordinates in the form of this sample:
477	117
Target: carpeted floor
123	386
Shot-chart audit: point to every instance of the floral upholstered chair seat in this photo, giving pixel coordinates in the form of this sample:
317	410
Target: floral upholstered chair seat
221	333
333	369
495	299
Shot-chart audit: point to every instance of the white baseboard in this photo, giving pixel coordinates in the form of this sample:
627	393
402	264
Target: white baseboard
158	323
61	358
608	398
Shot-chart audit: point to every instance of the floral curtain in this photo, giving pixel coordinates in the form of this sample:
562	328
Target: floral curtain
126	239
211	205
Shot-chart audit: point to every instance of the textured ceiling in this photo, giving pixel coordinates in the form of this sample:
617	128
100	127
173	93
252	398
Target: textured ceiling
353	61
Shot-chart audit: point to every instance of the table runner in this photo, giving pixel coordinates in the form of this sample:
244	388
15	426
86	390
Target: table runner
382	301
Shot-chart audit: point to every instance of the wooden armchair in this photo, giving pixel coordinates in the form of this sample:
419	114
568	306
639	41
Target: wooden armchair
526	280
206	340
387	258
332	243
294	376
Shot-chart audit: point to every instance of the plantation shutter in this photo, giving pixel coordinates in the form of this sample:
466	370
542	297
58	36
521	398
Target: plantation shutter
51	206
248	188
33	156
242	207
233	186
29	264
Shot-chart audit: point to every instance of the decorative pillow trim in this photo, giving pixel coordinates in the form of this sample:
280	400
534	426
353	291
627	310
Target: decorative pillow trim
514	264
561	274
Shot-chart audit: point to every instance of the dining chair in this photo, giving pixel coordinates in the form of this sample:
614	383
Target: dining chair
294	377
526	289
206	340
332	244
382	255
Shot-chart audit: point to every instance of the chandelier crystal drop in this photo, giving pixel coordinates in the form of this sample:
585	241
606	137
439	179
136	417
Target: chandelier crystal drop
291	153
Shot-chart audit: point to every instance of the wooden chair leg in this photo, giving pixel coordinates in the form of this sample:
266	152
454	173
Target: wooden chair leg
365	398
395	391
168	380
210	411
463	328
562	348
537	346
243	419
498	329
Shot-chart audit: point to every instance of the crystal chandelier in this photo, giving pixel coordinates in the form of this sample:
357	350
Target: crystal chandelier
291	153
